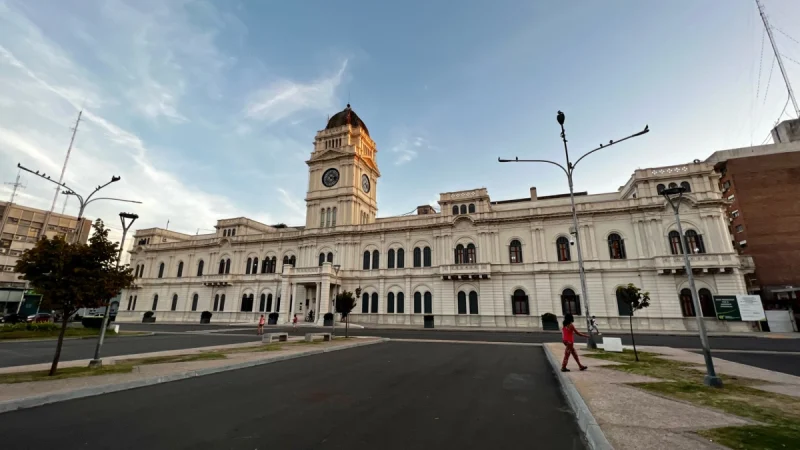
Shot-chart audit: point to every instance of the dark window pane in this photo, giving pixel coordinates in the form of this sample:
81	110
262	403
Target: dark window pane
390	259
364	303
390	302
455	210
623	307
706	303
374	302
321	259
417	257
174	305
471	208
463	209
428	301
515	252
376	259
180	269
401	258
247	267
462	302
401	308
473	302
426	253
687	305
366	260
200	268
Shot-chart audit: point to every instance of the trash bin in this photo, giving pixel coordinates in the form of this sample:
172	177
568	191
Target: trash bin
328	320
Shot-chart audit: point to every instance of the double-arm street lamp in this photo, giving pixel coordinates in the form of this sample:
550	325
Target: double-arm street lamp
674	196
568	171
83	201
96	361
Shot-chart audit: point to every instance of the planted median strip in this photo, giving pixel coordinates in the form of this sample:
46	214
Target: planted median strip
777	414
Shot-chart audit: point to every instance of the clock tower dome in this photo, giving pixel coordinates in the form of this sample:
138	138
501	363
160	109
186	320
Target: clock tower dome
342	174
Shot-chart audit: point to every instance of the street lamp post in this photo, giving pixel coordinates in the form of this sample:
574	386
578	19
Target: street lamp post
336	268
674	196
83	202
96	361
568	171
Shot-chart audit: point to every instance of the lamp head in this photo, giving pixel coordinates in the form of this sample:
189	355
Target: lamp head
560	118
115	179
671	192
131	216
358	291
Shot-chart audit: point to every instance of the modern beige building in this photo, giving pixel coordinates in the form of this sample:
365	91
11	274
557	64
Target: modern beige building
476	262
21	226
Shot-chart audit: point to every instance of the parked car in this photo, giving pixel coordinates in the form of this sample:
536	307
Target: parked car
40	318
12	318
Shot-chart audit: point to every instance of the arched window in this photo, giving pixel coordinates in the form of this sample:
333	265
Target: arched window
222	303
330	257
180	269
255	265
455	210
570	302
616	246
660	188
426	257
401	308
515	252
221	266
376	259
247	303
200	265
285	260
322	218
417	303
390	259
265	265
216	302
694	242
195	298
248	265
473	302
161	270
623	307
471	208
390	302
374	302
401	258
364	303
130	301
675	246
269	302
469	255
365	266
686	186
273	264
293	261
459	254
328	217
673	185
155	303
417	257
333	218
687	305
706	303
519	303
174	305
562	248
463	209
321	259
135	297
428	302
462	302
262	303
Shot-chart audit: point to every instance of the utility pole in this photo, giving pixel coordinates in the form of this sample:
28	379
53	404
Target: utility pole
61	177
778	56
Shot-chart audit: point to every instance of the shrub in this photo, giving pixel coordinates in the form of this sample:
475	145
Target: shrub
149	314
42	327
328	316
205	315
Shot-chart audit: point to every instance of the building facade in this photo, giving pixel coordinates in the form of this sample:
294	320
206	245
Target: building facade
477	262
761	185
21	227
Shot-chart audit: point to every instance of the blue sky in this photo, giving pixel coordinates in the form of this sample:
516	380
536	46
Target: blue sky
208	109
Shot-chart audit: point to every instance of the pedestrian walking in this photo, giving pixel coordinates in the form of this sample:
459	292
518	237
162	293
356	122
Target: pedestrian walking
294	321
593	326
261	325
568	337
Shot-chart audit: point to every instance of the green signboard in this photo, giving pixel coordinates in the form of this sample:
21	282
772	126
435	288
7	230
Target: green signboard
727	307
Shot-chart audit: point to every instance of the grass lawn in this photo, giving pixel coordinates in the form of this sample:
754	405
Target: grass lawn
125	366
780	414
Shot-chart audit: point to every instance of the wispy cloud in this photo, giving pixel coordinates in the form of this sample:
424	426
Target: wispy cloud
284	98
295	204
408	149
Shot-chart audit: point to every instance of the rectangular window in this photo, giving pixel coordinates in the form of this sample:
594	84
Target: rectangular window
731	197
735	214
739	228
726	185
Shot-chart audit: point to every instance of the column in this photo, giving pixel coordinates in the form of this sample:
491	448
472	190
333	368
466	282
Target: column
283	294
323	299
293	303
534	246
593	241
496	246
542	245
637	235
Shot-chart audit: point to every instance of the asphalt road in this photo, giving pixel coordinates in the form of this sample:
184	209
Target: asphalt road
789	363
397	395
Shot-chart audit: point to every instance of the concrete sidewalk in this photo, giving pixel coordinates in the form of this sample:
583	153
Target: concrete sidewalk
25	395
618	416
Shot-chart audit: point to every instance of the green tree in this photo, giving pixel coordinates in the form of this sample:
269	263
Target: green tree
345	302
74	276
635	299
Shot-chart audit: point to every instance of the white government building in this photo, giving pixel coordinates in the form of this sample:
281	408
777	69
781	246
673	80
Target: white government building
478	262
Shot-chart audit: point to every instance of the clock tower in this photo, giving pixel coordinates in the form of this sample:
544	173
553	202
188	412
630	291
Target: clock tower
342	174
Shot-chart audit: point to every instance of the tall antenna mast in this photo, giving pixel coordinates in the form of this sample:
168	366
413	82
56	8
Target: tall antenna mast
7	210
61	177
778	56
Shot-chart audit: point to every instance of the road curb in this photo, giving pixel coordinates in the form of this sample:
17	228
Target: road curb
30	402
594	436
77	338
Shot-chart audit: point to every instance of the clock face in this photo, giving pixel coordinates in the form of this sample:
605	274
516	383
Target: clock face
365	183
330	177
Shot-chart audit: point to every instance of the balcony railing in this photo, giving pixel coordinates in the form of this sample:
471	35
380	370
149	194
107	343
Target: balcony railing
466	271
707	262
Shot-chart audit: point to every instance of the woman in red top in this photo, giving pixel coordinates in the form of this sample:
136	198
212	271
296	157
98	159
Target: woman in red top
261	325
568	336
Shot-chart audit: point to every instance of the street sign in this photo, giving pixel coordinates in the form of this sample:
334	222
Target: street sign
750	308
727	307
